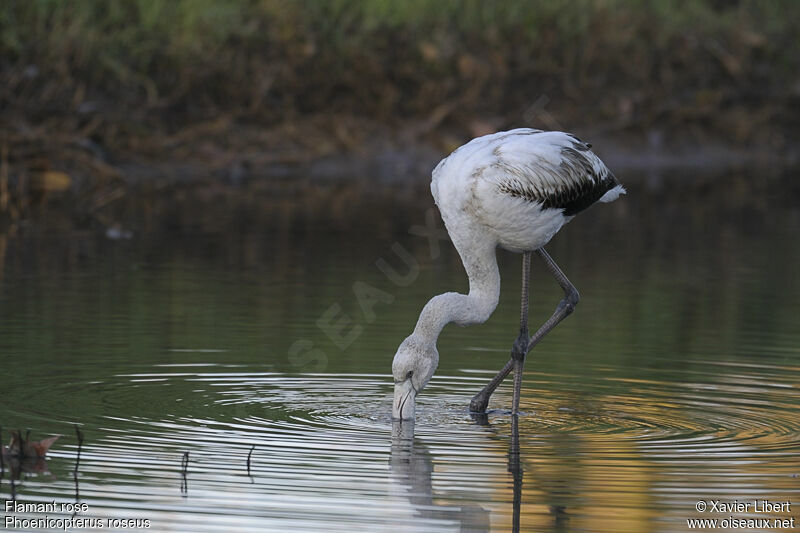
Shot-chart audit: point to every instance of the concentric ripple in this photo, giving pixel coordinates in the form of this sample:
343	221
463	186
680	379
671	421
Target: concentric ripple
270	451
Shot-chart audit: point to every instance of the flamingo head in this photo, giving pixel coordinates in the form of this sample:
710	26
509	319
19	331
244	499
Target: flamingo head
413	366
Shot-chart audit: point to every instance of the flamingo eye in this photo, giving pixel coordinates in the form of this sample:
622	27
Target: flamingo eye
410	373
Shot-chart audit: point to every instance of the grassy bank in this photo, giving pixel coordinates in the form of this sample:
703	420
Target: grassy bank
165	78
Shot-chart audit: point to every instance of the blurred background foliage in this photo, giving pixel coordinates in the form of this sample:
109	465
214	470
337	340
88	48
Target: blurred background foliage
633	63
89	88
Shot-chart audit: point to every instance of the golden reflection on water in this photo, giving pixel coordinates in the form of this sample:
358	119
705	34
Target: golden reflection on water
676	379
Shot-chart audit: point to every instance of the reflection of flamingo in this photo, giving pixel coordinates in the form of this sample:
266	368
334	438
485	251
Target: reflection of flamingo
514	189
412	473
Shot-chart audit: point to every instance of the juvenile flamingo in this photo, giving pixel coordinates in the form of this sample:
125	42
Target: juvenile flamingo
514	189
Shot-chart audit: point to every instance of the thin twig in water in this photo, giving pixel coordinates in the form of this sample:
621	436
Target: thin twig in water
2	462
78	458
248	462
248	458
184	468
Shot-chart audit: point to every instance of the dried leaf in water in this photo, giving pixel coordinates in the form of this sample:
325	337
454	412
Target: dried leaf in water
40	448
29	448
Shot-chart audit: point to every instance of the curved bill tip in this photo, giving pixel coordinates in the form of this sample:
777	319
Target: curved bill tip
403	404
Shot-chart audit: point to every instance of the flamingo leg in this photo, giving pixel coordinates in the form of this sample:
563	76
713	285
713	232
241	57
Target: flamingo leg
523	345
565	307
518	351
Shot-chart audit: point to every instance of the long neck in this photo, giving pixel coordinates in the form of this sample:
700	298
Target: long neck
480	263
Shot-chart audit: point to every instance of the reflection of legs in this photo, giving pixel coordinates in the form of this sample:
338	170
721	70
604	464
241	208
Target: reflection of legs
515	468
523	344
518	351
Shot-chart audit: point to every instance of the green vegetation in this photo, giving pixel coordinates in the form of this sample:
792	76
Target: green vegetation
381	57
158	78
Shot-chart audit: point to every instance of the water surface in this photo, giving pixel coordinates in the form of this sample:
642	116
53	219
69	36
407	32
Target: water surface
257	337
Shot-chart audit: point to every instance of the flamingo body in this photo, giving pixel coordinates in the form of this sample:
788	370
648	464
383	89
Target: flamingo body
519	187
514	189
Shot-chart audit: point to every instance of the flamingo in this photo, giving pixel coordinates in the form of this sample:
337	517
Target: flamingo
513	189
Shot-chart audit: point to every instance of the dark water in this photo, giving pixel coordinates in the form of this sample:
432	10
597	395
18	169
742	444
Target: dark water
257	335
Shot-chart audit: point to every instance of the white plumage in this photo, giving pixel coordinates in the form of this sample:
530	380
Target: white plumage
501	182
514	189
